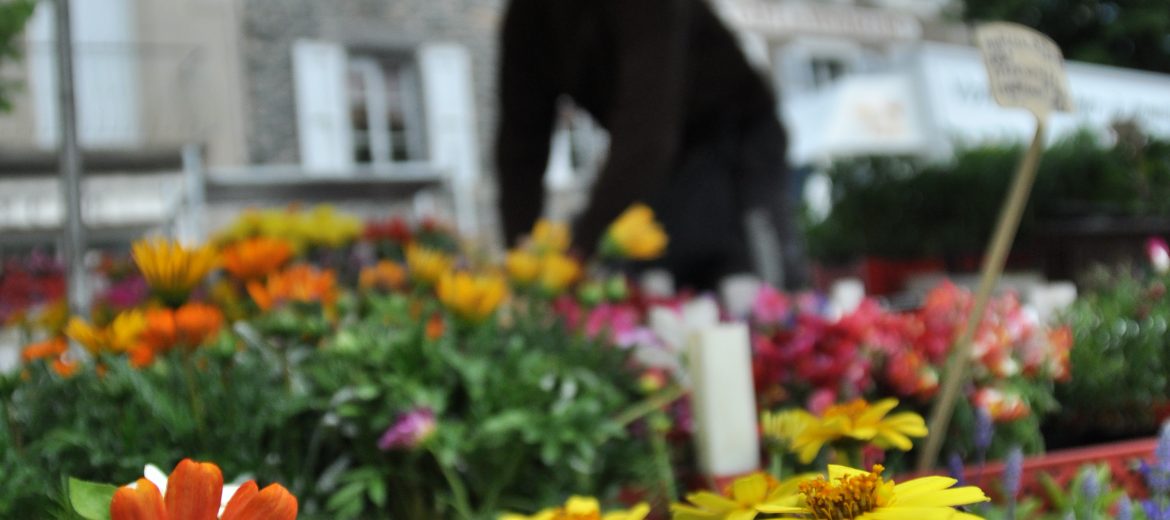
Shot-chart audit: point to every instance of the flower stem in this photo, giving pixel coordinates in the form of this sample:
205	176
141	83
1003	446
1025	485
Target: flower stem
193	394
458	490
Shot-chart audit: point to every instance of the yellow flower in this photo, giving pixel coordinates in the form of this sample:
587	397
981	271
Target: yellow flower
582	508
635	235
471	297
427	265
522	266
861	421
550	237
170	269
121	335
783	427
558	272
742	500
325	227
853	494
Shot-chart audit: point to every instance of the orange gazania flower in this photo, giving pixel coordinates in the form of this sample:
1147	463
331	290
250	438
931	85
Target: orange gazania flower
66	367
188	327
120	336
256	257
194	491
385	275
472	297
50	348
299	283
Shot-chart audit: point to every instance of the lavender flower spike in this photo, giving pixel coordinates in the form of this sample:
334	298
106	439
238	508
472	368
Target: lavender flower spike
984	431
1012	472
1124	508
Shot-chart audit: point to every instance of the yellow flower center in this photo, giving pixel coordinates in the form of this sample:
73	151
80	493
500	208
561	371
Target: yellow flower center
846	498
852	409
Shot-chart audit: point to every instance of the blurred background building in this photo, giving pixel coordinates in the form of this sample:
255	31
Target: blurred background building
356	99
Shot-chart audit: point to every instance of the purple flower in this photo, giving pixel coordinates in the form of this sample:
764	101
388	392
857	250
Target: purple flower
955	467
409	431
1090	486
1156	511
1013	469
1124	508
984	431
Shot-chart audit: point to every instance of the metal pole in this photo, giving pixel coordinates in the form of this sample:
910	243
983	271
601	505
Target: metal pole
70	163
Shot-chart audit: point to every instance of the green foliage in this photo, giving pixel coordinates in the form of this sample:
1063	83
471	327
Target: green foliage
1123	33
91	500
216	404
1120	356
898	207
525	413
13	15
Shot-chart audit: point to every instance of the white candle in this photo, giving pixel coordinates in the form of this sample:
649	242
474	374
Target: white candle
722	400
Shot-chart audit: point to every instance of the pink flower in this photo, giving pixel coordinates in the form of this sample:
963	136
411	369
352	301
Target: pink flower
409	431
1158	253
771	306
619	321
821	400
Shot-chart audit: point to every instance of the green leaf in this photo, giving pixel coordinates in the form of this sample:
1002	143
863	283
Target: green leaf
91	500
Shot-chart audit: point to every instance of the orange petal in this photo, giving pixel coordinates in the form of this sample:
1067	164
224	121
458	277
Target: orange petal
272	503
141	503
240	500
194	490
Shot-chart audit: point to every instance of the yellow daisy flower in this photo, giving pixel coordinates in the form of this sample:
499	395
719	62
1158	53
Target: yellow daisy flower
853	494
783	427
171	269
635	235
550	237
121	335
583	508
523	267
860	421
742	500
427	265
558	272
471	297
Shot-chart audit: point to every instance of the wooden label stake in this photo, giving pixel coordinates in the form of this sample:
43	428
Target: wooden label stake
1026	70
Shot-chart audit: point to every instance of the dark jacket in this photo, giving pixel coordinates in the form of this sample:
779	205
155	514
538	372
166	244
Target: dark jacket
662	76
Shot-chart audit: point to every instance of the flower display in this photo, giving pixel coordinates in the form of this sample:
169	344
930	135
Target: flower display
635	235
853	494
583	508
255	257
194	490
471	297
171	269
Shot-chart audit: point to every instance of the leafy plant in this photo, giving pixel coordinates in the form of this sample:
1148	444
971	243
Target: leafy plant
13	15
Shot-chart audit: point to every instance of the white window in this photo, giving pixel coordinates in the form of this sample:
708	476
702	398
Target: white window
385	108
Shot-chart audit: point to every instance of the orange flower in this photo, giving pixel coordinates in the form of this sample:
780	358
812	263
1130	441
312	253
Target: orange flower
49	348
256	257
188	327
194	491
385	275
434	327
66	367
172	270
472	297
197	323
299	283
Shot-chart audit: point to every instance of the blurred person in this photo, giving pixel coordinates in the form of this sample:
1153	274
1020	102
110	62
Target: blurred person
693	131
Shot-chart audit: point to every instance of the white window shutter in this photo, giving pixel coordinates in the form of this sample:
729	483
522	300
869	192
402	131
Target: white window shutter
450	117
323	127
